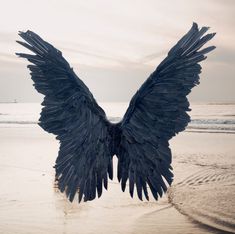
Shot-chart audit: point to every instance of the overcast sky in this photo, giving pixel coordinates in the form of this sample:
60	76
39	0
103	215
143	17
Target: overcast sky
114	45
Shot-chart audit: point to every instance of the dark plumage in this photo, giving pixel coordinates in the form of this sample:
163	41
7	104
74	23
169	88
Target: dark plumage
88	141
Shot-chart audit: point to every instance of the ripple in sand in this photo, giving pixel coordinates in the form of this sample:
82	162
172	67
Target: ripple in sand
207	197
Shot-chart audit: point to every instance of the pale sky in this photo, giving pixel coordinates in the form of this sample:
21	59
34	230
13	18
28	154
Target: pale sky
114	45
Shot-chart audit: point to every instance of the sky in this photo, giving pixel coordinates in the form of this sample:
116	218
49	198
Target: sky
114	46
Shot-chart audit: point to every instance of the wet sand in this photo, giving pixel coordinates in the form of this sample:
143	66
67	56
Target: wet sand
30	203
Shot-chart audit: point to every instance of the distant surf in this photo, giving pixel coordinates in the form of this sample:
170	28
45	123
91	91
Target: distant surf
211	118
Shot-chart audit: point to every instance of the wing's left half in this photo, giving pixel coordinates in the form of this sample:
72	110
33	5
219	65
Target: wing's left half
72	114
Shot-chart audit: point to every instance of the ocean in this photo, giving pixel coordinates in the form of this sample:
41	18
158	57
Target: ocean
205	117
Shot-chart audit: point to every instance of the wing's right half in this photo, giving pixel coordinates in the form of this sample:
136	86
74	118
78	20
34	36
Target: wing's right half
157	112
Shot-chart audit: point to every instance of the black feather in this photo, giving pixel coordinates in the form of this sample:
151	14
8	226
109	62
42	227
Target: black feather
88	141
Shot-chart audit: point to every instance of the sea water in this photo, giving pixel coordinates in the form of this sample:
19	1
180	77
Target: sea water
205	117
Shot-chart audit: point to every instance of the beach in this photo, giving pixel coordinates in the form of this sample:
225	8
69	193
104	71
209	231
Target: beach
200	200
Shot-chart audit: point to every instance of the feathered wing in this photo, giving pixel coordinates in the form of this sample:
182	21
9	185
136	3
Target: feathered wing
72	114
156	113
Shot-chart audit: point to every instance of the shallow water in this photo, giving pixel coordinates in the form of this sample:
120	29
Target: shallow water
204	117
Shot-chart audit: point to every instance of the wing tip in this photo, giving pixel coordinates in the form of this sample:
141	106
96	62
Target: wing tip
194	25
20	32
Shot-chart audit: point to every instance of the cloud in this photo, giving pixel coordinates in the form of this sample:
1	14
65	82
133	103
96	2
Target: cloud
117	43
6	37
223	55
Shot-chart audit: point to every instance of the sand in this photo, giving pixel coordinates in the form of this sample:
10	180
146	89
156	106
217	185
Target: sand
30	203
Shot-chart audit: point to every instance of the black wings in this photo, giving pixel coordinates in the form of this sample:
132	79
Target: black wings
157	112
71	113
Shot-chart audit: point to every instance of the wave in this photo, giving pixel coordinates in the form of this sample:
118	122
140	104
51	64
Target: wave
213	121
18	122
196	125
212	125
